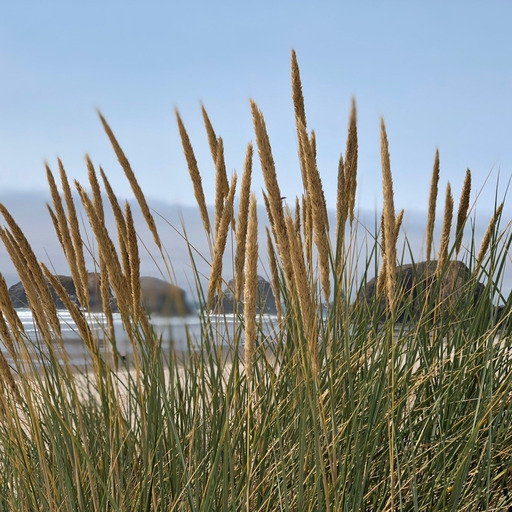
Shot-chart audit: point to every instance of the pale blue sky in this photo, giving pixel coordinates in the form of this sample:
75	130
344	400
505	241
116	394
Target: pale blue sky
439	72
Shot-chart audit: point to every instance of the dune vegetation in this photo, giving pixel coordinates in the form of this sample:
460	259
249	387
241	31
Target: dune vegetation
342	405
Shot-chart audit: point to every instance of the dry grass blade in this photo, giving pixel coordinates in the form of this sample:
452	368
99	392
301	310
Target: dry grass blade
7	310
241	229
220	245
107	308
5	370
445	235
6	336
389	218
137	191
381	280
194	173
462	214
251	288
432	200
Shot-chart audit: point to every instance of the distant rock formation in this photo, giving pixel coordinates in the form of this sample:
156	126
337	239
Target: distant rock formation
456	288
19	297
162	298
158	297
265	300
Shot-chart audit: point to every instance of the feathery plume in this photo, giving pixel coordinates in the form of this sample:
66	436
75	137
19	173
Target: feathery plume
61	226
297	216
447	226
341	202
398	223
307	223
221	183
41	287
30	283
303	293
75	312
241	230
486	240
9	312
389	218
95	188
351	163
274	273
314	190
55	223
319	210
133	253
463	211
300	113
80	271
108	252
298	97
212	138
120	224
220	245
137	191
194	173
312	143
251	288
381	279
273	191
432	200
5	370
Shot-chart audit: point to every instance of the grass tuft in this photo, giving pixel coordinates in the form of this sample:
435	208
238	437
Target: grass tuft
398	400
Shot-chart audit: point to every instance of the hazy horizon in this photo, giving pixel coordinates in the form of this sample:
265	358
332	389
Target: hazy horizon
30	212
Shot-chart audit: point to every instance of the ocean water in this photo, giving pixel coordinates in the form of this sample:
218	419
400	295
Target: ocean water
180	333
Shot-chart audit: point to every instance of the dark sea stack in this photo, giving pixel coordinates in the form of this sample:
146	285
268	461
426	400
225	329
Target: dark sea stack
158	296
456	288
162	298
19	297
265	300
95	299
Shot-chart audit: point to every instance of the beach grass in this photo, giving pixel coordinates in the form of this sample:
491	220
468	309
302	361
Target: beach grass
401	401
